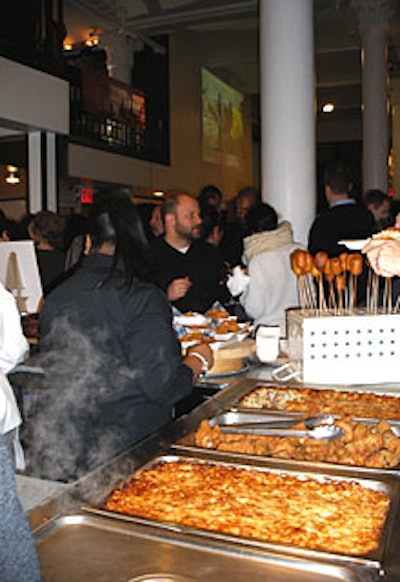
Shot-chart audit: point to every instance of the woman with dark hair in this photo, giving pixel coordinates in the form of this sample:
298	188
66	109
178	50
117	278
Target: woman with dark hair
272	285
112	362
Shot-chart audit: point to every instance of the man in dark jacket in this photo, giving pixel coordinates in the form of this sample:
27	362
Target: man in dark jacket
190	270
344	219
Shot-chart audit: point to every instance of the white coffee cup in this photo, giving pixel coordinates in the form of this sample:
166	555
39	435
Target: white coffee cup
267	343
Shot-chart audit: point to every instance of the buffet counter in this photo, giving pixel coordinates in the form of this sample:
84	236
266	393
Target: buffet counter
78	537
33	492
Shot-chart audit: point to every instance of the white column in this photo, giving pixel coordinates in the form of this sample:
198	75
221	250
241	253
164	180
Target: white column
288	169
373	18
395	103
35	202
51	172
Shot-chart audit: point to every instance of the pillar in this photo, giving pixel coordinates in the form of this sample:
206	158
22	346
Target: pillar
42	172
35	200
373	18
51	172
288	168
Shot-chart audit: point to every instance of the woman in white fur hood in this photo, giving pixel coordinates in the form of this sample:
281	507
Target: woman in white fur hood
272	285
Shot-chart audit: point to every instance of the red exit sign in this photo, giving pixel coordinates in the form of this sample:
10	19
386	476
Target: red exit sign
87	194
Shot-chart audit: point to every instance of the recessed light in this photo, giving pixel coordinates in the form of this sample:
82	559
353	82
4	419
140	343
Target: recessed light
328	107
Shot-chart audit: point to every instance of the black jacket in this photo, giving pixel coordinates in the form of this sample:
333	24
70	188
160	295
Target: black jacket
345	221
113	369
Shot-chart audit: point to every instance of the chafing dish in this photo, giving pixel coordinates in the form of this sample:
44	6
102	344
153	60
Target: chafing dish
52	521
85	546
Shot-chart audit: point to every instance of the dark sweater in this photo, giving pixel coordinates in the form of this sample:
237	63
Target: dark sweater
51	268
204	266
345	221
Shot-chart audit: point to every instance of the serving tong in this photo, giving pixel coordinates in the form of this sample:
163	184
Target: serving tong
320	426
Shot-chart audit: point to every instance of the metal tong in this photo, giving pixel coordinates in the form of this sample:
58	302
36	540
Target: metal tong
320	426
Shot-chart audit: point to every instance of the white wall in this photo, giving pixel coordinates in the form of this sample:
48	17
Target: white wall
30	99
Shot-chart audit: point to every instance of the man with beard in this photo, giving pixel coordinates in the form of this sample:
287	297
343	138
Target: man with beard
191	271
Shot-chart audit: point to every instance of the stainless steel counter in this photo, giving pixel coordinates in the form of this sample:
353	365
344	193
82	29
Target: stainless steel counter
76	540
34	492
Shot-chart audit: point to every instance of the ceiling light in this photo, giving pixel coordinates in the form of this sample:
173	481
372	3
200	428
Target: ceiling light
159	193
93	39
12	176
67	47
328	107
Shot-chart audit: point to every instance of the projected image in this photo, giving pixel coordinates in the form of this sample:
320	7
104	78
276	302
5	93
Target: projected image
222	121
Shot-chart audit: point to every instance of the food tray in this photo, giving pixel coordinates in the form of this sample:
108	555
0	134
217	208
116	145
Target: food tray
374	560
232	417
284	395
85	546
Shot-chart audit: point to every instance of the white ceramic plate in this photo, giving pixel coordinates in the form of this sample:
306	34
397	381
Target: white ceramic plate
354	245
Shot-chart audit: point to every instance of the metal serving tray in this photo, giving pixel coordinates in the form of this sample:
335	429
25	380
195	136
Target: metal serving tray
391	390
85	546
87	492
372	562
188	442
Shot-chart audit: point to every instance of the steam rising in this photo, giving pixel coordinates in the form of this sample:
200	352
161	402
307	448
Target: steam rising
81	379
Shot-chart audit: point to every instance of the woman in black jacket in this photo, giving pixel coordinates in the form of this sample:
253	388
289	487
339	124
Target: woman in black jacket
112	362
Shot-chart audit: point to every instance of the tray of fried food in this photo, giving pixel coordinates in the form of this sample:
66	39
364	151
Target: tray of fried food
288	509
308	401
218	312
371	444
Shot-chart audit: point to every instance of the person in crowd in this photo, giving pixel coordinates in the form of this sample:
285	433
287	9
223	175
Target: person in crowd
112	361
18	556
212	225
8	227
151	218
272	284
379	204
155	222
47	232
236	230
210	196
191	271
344	219
14	349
